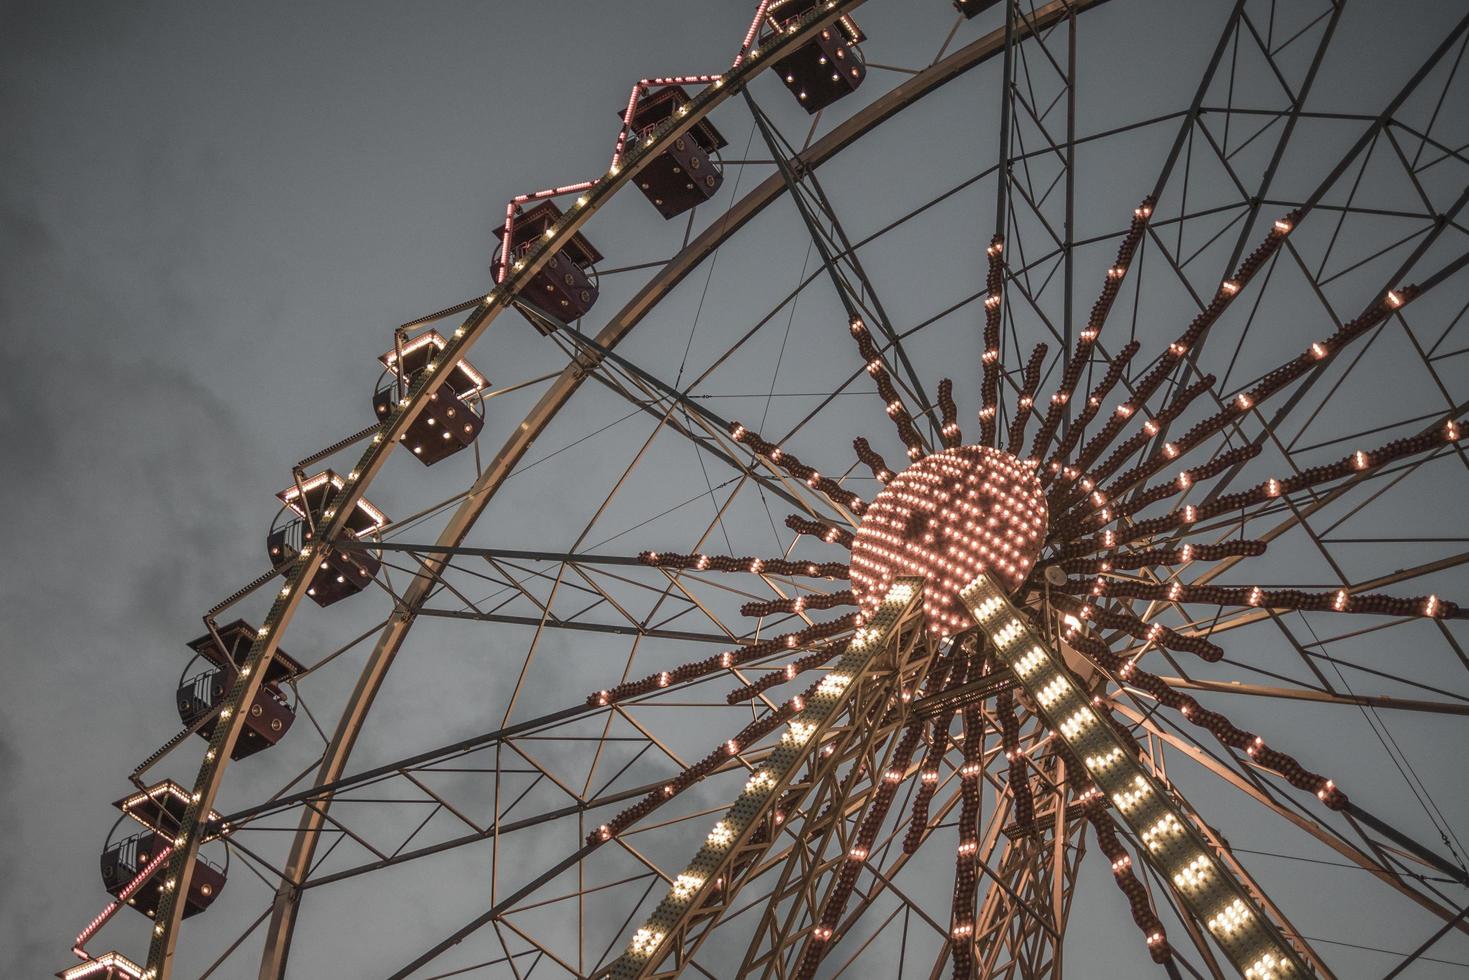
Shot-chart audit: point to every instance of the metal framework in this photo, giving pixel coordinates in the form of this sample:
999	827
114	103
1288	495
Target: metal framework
1213	495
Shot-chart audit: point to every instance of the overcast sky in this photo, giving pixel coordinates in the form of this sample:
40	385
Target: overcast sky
212	215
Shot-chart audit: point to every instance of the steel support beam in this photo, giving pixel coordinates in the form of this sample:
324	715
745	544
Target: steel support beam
848	716
1174	838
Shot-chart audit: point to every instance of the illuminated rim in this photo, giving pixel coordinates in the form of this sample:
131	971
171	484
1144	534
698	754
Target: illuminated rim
949	518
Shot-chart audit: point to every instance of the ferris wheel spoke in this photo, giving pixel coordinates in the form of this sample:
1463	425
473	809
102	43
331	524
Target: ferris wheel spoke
513	903
536	822
1228	734
1299	515
1397	880
1143	916
765	953
1023	913
842	255
1045	16
561	624
1252	202
230	949
1018	921
885	880
1336	479
1073	362
1116	365
950	434
1323	697
855	301
1139	792
438	573
860	843
800	908
493	914
1221	849
846	502
1362	145
989	389
1163	367
1284	412
1025	398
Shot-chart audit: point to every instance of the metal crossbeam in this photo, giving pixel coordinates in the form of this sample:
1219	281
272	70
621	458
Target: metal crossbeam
509	554
548	622
837	256
952	700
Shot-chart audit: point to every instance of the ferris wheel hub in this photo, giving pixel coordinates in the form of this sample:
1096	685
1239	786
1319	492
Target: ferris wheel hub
950	517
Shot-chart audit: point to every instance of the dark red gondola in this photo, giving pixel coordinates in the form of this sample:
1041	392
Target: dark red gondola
454	417
341	571
686	174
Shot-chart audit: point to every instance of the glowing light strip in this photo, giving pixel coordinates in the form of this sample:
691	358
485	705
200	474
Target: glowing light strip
1171	843
293	491
770	779
854	35
417	343
504	263
151	794
113	960
637	96
128	891
379	519
437	340
750	34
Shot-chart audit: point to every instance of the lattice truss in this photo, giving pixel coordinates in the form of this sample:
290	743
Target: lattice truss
1178	527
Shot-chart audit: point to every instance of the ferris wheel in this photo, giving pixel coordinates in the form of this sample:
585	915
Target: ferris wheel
800	597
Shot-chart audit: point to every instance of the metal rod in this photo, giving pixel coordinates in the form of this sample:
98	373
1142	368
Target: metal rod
1403	840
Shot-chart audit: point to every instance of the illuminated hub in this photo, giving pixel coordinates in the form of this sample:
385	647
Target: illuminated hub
949	517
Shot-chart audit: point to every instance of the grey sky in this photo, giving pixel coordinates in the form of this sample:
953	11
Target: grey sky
211	216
